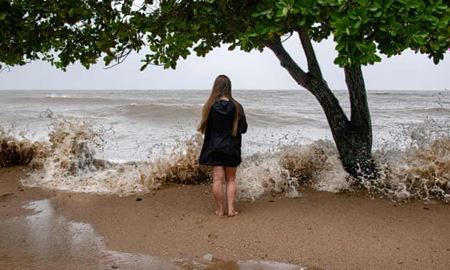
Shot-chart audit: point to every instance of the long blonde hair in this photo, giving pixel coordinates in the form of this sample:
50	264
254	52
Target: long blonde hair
221	88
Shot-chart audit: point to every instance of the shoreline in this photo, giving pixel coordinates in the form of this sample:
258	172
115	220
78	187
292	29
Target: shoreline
319	229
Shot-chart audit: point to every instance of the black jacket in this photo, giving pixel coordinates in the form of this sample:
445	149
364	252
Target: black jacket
220	147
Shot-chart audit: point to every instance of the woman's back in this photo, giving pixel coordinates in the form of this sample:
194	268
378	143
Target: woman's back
221	116
221	147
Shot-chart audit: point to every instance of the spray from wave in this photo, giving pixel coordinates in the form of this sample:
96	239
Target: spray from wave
416	164
14	151
417	169
285	170
69	162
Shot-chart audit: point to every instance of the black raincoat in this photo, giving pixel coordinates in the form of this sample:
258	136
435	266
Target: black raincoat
220	147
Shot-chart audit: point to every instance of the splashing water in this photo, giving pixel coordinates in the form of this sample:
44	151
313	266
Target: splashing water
420	168
315	164
181	166
416	164
20	151
70	163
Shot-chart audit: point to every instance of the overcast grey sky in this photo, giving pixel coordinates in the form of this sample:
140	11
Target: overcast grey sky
253	70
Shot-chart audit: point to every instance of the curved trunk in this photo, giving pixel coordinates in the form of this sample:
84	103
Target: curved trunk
353	140
353	137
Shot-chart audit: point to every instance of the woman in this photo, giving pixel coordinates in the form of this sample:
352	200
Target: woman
223	122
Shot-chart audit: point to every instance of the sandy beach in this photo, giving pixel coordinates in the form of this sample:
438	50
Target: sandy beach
174	228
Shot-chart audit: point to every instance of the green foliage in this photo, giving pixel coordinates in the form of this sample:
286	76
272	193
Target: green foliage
65	31
364	27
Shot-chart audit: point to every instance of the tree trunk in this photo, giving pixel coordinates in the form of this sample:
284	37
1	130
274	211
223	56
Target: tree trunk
353	140
353	137
359	132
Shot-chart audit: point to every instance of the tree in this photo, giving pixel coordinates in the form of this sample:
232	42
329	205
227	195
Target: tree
65	31
362	30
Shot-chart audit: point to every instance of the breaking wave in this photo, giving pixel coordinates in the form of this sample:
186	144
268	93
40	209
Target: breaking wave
415	165
58	96
14	151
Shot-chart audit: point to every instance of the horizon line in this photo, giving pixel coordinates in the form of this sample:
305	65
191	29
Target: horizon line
206	89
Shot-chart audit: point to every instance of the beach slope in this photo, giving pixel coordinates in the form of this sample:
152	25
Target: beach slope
320	230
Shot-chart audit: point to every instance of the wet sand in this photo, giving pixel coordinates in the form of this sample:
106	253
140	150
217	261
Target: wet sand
173	228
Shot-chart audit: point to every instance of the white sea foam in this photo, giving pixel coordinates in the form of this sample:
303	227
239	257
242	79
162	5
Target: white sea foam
419	169
414	160
58	96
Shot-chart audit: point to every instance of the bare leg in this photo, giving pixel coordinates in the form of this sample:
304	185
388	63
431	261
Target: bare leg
218	174
230	176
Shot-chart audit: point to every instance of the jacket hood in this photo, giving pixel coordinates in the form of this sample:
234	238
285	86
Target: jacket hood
224	107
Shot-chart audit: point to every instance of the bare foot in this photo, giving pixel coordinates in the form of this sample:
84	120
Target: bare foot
219	213
233	213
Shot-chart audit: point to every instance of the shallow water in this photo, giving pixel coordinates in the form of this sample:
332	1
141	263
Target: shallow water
47	240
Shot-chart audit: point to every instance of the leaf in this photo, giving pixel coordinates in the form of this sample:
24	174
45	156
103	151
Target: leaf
340	61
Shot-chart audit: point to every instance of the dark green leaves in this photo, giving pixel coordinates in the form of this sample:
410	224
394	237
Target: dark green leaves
65	31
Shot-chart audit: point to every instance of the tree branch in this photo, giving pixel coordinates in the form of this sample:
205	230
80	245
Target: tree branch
287	62
6	68
317	86
313	64
120	58
288	37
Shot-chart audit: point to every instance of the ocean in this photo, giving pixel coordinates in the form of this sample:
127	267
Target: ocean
126	142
